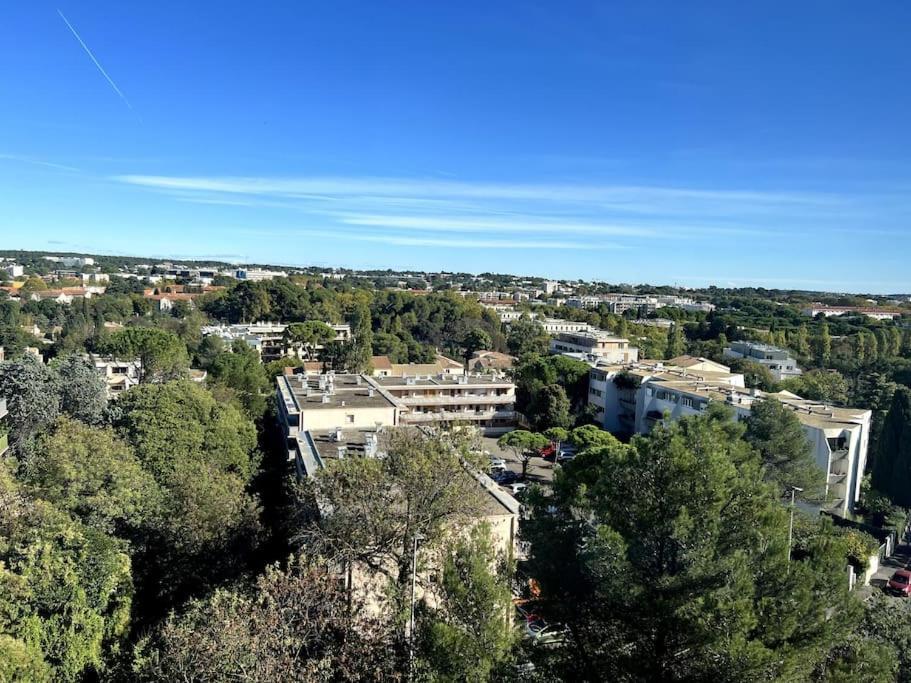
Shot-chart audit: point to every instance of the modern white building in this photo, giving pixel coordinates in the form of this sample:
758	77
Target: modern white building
267	339
595	344
14	270
632	398
325	401
875	313
778	361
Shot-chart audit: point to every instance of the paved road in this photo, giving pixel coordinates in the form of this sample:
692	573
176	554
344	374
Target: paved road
899	560
540	471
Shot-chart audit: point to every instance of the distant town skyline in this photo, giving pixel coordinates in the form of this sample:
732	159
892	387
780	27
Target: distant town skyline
653	143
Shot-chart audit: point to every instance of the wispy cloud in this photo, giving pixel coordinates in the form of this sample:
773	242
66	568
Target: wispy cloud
619	194
400	240
38	162
94	60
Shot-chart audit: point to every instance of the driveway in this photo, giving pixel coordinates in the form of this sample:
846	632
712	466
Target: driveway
540	471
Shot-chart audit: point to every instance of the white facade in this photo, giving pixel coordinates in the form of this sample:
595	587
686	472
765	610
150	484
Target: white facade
595	344
633	398
778	361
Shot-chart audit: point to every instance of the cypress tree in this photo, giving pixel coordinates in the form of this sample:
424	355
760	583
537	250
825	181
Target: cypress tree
892	468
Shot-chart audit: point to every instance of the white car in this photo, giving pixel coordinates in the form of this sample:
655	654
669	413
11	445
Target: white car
516	488
542	633
497	463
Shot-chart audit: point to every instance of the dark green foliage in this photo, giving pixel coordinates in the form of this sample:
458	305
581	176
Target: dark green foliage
777	435
892	467
667	558
465	636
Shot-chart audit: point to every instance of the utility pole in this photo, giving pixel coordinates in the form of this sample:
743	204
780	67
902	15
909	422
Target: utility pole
794	489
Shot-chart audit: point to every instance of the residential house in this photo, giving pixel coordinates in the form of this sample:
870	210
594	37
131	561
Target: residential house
778	361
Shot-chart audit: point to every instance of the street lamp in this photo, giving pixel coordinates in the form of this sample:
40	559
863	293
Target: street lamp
794	489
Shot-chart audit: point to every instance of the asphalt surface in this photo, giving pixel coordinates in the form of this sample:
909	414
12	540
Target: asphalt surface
540	471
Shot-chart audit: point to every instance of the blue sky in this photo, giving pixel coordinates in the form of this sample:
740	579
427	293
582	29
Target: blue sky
666	142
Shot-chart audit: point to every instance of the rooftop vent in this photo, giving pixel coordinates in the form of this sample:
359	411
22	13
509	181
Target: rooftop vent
342	451
325	398
337	434
409	381
370	392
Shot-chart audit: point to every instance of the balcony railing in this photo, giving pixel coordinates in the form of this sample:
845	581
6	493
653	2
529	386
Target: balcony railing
467	399
459	415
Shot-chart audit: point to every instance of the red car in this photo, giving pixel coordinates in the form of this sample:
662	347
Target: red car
900	583
548	452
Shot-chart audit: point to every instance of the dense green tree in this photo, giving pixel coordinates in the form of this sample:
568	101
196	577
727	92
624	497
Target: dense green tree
93	476
527	337
162	355
308	336
755	375
550	408
209	348
32	397
241	371
474	340
676	341
823	346
892	465
466	635
777	435
668	560
828	386
65	591
202	455
83	394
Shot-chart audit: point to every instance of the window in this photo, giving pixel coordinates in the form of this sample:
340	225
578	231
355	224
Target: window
686	401
349	418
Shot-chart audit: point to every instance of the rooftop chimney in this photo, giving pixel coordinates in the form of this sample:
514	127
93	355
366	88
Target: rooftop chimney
325	398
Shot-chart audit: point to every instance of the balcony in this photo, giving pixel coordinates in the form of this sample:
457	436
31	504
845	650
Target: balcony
459	416
466	399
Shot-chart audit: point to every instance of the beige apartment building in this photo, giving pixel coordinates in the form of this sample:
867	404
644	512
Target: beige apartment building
595	345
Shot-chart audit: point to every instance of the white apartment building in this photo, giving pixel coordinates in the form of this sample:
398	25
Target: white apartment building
71	261
595	344
350	401
633	398
267	339
778	361
14	270
875	313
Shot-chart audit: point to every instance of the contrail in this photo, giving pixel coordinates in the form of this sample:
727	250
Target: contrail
97	63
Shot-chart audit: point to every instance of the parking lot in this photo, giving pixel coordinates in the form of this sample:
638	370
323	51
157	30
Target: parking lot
540	471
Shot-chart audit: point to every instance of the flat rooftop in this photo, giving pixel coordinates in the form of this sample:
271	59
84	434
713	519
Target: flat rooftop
309	392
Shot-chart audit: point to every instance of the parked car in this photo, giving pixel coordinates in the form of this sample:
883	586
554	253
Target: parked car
505	478
900	583
497	462
548	452
516	488
542	633
566	456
